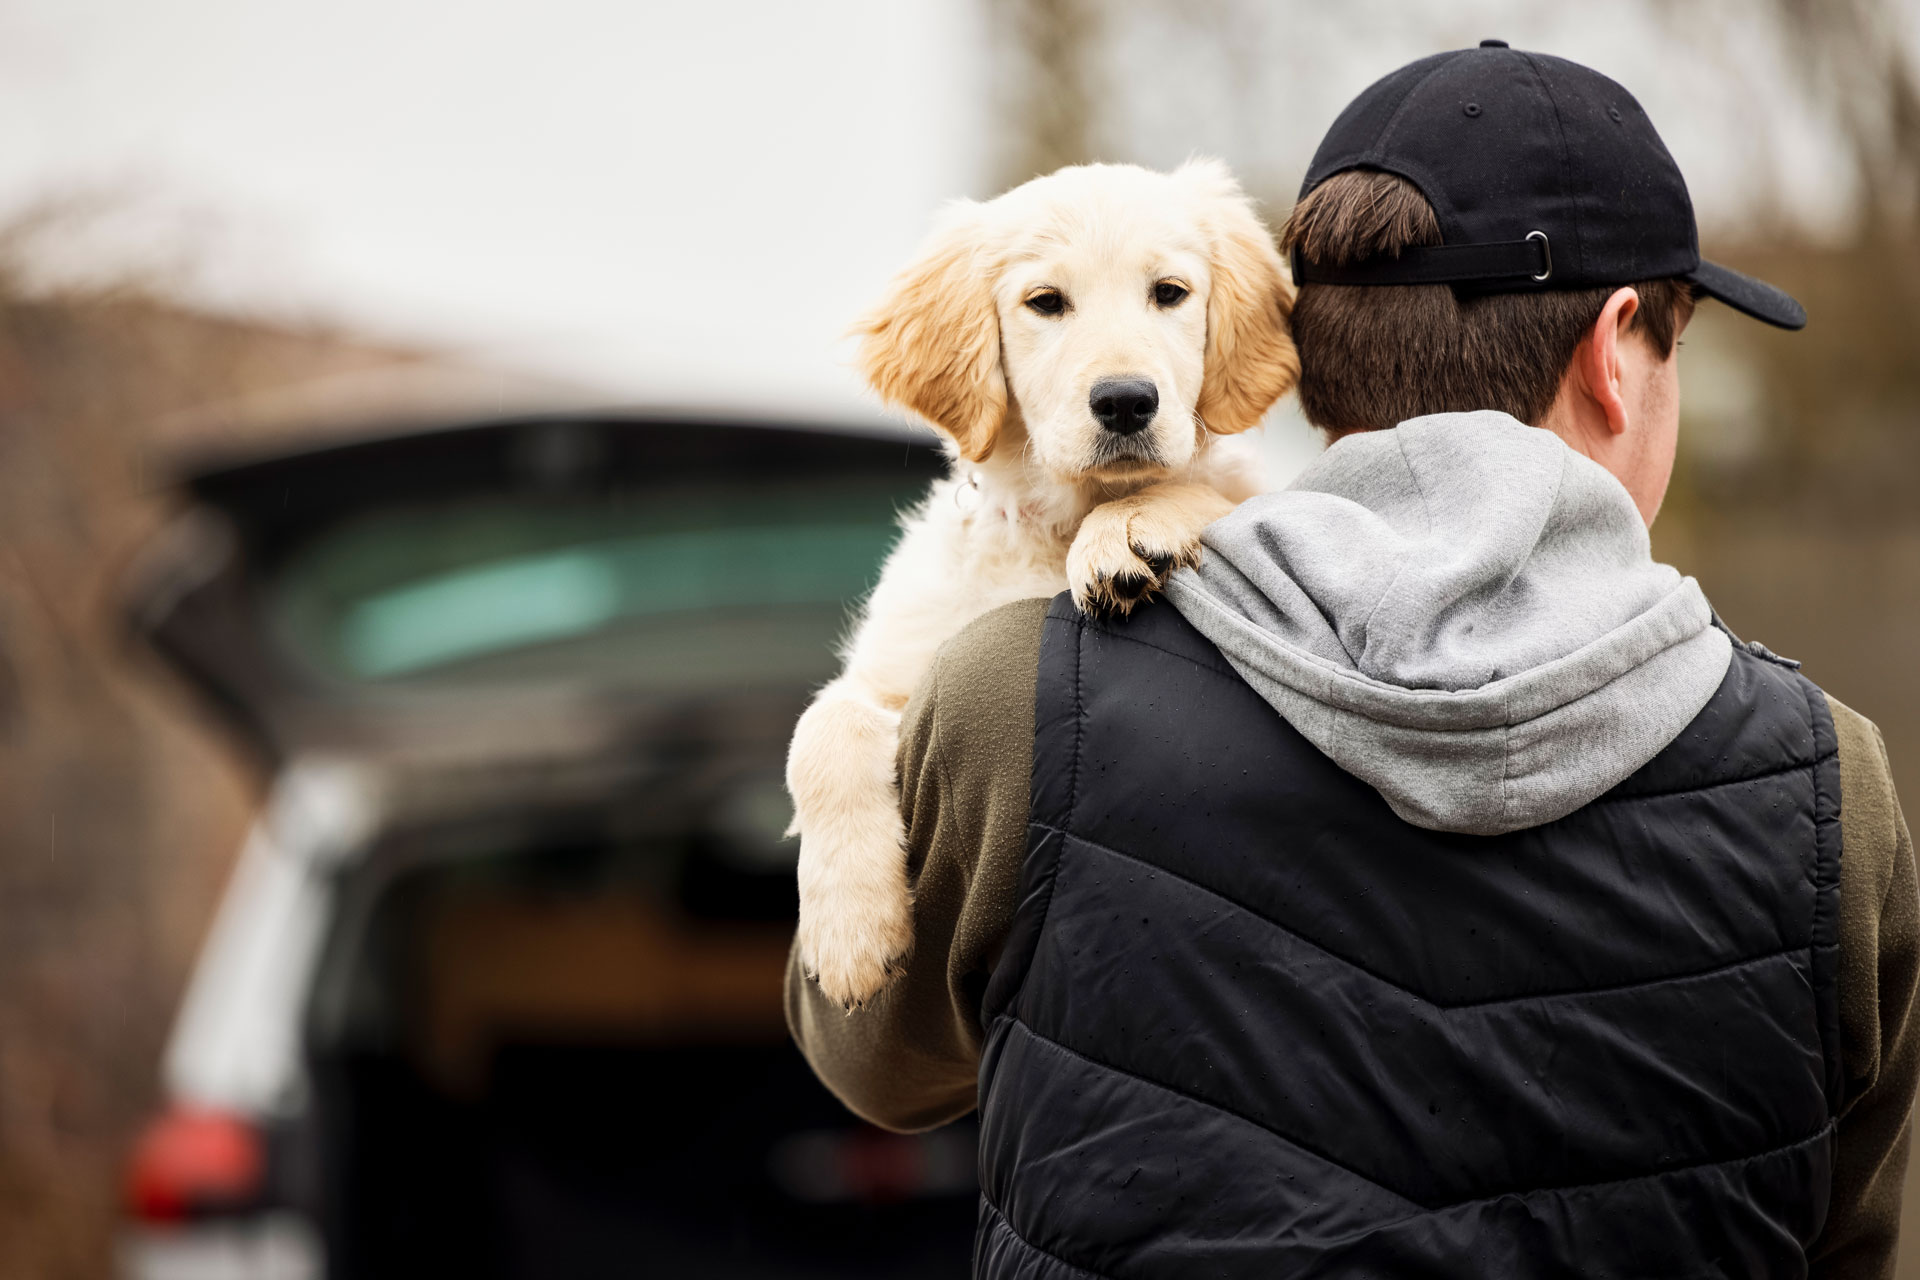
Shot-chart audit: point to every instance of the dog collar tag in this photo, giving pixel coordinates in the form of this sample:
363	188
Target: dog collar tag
967	496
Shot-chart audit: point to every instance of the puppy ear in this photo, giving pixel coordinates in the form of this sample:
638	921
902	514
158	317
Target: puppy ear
1250	357
933	345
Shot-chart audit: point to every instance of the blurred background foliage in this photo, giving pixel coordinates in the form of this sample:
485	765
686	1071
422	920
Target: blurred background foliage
119	812
1794	501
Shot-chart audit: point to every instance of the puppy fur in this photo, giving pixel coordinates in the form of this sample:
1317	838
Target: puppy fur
1041	496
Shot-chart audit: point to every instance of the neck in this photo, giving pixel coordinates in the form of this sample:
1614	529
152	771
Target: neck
1579	432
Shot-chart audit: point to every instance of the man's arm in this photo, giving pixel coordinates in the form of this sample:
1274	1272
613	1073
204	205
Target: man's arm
1879	1038
910	1059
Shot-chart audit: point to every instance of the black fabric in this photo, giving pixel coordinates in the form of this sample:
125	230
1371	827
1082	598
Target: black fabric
1249	1023
1504	143
1751	297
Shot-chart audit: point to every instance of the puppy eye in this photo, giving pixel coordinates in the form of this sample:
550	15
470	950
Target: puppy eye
1169	293
1048	302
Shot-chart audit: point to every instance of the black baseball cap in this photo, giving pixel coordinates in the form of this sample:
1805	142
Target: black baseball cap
1544	173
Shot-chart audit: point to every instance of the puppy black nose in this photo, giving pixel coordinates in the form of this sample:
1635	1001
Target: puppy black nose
1124	405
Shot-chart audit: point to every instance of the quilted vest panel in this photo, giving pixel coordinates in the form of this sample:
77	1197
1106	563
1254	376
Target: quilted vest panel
1250	1023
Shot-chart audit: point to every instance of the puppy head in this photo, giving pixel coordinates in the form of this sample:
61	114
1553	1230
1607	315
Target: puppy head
1122	312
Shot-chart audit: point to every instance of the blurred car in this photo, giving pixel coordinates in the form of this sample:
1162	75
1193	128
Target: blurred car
495	989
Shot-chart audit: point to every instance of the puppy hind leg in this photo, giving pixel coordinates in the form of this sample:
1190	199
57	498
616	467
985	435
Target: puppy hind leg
856	918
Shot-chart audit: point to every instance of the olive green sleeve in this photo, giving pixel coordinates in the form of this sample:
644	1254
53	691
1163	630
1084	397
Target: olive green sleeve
1879	1039
909	1059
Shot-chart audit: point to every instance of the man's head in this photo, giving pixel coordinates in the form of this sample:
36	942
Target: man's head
1597	365
1492	229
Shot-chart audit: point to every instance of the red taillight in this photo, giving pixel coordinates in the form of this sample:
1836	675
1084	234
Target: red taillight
192	1161
867	1166
880	1168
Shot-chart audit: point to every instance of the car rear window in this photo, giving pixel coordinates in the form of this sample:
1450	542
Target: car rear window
694	587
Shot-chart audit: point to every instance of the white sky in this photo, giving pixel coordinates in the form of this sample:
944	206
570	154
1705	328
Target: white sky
676	202
689	202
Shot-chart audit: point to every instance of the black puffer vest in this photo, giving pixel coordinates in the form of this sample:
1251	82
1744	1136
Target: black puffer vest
1250	1023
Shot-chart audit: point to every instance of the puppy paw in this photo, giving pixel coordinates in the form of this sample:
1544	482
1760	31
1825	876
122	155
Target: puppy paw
855	952
1115	583
856	908
1125	549
856	918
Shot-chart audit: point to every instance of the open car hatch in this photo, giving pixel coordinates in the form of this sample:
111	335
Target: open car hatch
480	587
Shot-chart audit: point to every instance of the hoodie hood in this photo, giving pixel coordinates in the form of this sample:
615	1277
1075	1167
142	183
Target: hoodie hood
1464	613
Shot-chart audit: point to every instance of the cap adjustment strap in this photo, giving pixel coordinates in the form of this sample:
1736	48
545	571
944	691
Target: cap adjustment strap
1530	258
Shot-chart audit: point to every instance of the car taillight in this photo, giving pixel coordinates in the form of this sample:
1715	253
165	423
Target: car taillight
868	1166
191	1162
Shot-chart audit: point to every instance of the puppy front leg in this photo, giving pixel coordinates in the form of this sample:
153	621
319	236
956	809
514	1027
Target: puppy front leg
855	907
1125	549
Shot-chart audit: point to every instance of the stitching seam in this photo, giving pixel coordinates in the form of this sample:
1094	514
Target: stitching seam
1798	766
1218	668
1151	1083
1429	1210
1441	1005
1566	158
1826	901
1079	720
1049	1254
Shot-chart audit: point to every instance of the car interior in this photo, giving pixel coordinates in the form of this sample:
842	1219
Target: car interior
569	1058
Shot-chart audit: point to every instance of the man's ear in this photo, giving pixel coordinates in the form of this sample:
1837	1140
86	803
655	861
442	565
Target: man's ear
1250	357
1599	356
932	346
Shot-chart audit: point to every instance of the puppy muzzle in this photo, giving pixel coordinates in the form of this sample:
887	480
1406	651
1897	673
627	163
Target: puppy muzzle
1138	450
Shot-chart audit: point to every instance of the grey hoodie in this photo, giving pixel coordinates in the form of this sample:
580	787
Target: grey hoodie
1465	613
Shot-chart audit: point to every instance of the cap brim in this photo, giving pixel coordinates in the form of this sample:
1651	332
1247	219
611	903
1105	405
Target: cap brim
1753	297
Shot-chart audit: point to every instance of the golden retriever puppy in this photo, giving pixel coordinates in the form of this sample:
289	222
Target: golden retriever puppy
1081	342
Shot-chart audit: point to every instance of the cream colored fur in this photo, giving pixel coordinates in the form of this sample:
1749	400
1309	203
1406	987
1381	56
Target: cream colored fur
1037	501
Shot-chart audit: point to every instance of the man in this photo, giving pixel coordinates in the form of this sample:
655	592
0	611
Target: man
1432	885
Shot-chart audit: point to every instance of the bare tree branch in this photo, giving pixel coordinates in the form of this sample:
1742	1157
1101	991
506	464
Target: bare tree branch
1046	82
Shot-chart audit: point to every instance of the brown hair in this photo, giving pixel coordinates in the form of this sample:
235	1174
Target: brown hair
1376	355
